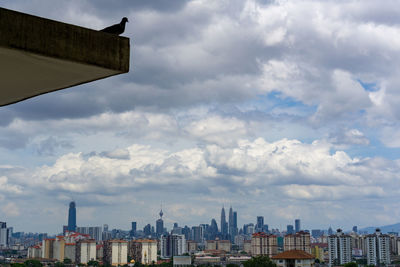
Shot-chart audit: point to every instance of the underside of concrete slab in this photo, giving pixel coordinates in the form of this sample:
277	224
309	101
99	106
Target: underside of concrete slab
38	56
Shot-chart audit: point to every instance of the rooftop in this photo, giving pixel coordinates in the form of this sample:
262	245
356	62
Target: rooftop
293	254
39	55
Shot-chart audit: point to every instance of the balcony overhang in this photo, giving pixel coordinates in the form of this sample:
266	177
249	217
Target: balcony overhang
39	56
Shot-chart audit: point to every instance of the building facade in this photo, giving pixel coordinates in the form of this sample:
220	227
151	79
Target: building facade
72	217
339	247
297	241
85	251
143	251
172	245
294	258
115	252
378	249
264	244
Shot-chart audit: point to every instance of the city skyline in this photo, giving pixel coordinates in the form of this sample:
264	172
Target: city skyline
160	227
281	109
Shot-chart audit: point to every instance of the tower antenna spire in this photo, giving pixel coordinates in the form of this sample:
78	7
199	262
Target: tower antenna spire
161	212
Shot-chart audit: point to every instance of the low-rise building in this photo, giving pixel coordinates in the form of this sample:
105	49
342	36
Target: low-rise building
182	261
200	260
294	258
318	251
237	259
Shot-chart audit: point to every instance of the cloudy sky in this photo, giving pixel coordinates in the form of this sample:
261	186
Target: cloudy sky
286	109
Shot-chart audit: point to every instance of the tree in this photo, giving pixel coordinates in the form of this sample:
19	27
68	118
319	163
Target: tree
259	261
93	263
33	263
317	261
17	265
231	265
59	264
67	261
351	264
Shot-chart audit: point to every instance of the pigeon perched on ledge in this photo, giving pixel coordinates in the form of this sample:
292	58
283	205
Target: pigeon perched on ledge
116	28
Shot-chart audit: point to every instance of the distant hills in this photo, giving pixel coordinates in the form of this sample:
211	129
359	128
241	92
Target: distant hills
384	229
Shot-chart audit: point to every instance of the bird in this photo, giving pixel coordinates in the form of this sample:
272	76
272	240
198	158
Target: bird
118	28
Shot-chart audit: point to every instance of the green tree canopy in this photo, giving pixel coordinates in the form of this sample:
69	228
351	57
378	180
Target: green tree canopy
33	263
351	264
93	263
259	261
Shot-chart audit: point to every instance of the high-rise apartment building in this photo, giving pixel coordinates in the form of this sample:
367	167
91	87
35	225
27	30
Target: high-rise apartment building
72	217
85	251
115	252
264	244
143	251
172	245
289	229
95	232
339	247
378	249
48	248
297	241
297	225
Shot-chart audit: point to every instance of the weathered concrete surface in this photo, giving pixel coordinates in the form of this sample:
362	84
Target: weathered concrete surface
39	55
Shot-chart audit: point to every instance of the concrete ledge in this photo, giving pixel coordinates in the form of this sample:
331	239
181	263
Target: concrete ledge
39	55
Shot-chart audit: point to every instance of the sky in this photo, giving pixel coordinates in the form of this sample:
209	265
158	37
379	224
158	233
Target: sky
284	109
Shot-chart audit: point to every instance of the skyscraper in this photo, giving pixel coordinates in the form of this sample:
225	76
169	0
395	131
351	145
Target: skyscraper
297	225
133	229
260	223
160	225
4	234
235	227
289	229
230	227
72	217
224	230
213	230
